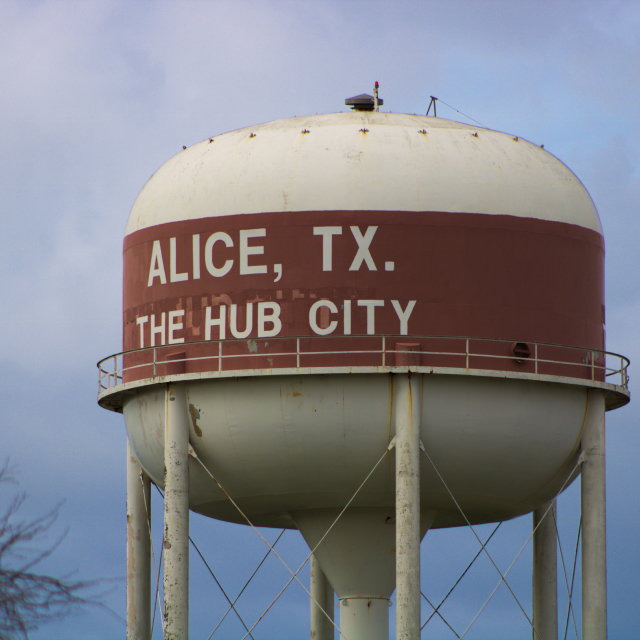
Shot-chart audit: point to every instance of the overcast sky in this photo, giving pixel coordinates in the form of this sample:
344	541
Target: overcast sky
95	96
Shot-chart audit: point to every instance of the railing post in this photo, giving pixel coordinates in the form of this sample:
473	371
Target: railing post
384	351
535	356
298	353
154	362
467	351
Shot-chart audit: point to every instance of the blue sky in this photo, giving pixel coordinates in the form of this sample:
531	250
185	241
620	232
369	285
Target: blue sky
97	95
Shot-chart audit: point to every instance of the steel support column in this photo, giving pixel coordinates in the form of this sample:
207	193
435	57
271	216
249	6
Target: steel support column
138	550
545	573
593	502
407	402
322	592
176	516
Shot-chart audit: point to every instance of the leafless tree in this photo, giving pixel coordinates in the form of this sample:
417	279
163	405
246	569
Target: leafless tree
27	598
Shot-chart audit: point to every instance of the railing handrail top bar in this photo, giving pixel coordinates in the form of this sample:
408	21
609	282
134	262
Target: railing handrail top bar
349	352
376	335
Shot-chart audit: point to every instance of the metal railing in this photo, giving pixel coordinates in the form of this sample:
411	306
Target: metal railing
593	363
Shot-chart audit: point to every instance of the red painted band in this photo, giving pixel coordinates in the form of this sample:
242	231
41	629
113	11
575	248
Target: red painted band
477	275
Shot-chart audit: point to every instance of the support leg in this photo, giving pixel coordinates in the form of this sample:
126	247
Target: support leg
322	591
407	400
138	550
545	576
176	516
594	560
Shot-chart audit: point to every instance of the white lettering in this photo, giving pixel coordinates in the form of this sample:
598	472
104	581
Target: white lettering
363	254
246	251
208	254
196	256
220	322
159	330
313	317
404	315
141	322
371	313
175	326
156	270
347	317
233	325
327	234
273	317
173	260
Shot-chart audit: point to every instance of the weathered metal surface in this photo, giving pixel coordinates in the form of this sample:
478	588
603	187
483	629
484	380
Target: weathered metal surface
593	502
407	410
176	515
394	168
310	440
138	550
360	272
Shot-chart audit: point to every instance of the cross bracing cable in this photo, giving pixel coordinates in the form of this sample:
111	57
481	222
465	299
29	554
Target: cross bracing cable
266	555
206	564
294	576
437	609
573	576
564	569
156	571
578	463
482	545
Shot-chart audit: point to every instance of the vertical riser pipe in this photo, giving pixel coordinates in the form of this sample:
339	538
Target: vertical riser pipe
364	619
407	420
176	516
138	550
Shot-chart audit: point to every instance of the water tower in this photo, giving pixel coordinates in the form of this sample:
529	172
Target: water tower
316	299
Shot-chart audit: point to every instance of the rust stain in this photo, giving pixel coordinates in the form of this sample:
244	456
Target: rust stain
296	394
195	415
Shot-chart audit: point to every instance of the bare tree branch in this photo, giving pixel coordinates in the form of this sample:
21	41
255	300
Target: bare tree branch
29	599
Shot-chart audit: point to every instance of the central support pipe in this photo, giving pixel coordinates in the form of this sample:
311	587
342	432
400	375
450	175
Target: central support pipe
407	402
322	593
593	503
545	573
176	516
138	550
364	619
